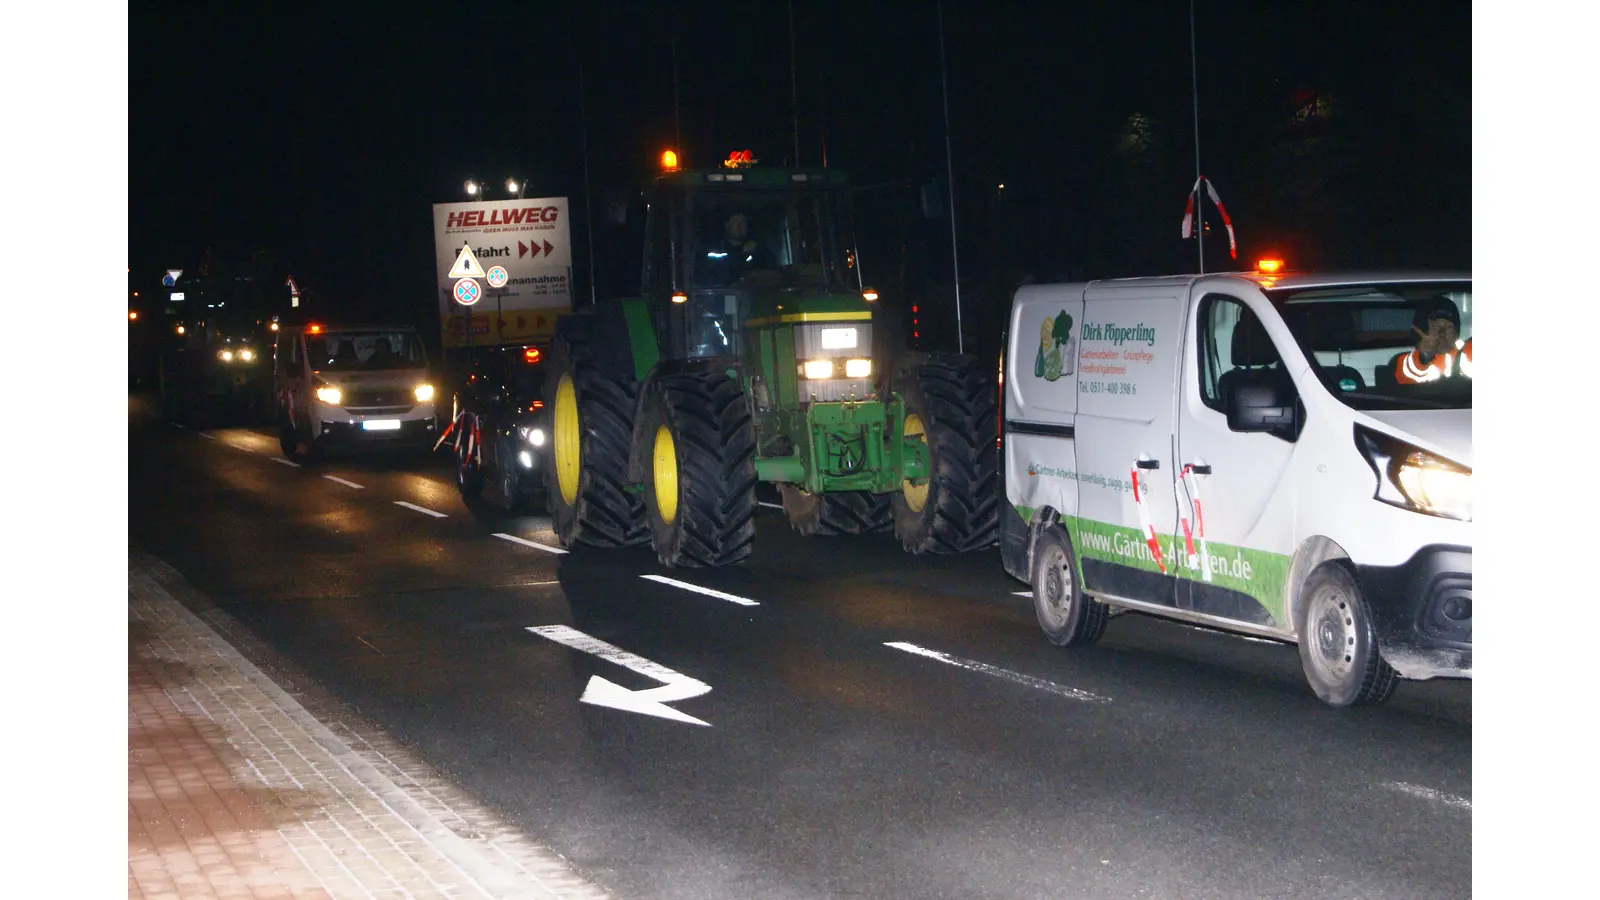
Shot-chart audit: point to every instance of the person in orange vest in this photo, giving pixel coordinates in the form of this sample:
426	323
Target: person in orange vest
1440	353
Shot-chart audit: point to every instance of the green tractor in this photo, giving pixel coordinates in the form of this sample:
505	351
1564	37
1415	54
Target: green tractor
756	353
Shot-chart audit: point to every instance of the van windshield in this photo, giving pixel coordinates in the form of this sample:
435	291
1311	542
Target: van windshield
1386	346
361	351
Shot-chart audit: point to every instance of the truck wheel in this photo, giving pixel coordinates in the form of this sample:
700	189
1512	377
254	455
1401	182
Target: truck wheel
1068	617
1338	644
837	512
950	404
699	454
592	432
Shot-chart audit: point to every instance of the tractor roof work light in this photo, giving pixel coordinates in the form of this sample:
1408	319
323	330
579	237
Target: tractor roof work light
739	159
869	294
680	297
669	160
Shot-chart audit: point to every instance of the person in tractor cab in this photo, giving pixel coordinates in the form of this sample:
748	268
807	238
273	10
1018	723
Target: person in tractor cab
1440	352
738	253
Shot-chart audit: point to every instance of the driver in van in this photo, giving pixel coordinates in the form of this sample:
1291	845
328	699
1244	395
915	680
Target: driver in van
1440	353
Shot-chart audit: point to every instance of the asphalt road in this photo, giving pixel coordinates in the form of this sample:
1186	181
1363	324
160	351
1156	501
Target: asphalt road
1165	761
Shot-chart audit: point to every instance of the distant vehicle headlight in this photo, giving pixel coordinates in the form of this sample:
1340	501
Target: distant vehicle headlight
424	393
225	355
247	355
329	395
534	436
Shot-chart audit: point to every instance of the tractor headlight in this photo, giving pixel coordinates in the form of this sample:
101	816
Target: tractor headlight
818	368
858	368
423	393
329	395
1415	479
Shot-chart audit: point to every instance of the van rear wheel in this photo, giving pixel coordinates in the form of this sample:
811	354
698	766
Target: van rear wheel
1067	616
1338	644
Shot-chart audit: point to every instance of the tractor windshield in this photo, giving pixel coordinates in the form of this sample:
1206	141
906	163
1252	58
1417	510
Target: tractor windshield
749	238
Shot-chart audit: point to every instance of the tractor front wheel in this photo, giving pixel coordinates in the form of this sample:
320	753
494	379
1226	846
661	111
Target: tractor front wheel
698	457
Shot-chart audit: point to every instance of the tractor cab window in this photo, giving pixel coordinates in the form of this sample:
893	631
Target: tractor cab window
744	238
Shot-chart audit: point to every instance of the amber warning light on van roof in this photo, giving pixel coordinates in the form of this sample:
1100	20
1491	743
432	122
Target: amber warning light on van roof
1269	266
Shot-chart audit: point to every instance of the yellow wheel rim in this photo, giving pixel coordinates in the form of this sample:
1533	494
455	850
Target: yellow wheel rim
665	459
568	440
916	494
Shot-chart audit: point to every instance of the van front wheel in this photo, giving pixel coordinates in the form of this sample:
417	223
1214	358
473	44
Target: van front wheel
1338	644
1067	616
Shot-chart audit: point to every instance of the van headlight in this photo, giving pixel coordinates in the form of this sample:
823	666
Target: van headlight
534	436
423	393
329	395
1414	479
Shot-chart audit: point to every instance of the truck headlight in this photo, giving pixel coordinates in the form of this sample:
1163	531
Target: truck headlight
818	368
1415	479
329	395
424	393
858	368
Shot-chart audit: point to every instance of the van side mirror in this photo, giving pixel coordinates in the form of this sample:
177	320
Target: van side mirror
1262	407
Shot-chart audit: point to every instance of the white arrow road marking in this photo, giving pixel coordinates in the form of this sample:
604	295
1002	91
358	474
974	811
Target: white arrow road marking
600	692
700	590
279	459
527	543
337	480
987	669
1429	794
421	509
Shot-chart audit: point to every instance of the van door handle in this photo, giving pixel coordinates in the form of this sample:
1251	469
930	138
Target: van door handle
1200	468
1148	463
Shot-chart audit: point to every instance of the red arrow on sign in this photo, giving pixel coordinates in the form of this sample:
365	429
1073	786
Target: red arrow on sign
548	249
539	323
523	250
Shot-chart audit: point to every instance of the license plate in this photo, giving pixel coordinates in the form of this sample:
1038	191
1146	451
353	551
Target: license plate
381	425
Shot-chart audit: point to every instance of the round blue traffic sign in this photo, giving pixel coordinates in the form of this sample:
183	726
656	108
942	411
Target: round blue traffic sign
468	292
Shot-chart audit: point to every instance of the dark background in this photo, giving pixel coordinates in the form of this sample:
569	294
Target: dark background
312	140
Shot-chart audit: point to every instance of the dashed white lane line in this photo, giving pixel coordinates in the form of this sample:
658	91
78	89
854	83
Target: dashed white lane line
527	543
336	479
1429	794
700	590
1022	593
986	669
770	505
421	509
209	437
279	459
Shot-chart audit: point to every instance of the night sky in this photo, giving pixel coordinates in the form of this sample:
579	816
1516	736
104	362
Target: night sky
1338	134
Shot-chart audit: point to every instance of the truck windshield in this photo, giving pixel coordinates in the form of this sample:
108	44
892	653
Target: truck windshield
749	237
357	351
1387	346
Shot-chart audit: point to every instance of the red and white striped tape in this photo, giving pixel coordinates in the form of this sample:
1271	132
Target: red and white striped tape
1203	559
1144	520
1188	214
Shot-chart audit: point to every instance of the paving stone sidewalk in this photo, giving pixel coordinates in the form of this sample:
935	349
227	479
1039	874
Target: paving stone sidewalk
237	790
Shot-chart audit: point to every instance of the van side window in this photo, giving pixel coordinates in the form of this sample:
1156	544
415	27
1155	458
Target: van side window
1232	343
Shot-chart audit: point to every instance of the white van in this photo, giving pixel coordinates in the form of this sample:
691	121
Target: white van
1272	455
352	387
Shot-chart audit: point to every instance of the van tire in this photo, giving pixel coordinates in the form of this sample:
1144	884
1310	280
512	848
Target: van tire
951	398
1067	616
712	466
1334	617
288	441
835	512
602	512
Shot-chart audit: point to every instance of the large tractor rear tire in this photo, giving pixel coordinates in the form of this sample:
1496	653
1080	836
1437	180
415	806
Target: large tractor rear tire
592	424
698	453
838	512
950	402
